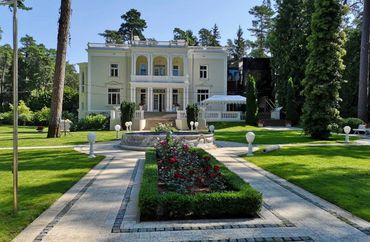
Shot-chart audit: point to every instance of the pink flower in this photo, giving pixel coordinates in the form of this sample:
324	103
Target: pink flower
173	160
216	168
185	147
163	142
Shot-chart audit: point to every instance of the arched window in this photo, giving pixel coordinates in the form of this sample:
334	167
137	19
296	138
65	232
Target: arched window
142	66
160	66
177	66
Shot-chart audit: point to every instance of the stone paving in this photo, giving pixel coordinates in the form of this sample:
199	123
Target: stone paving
103	206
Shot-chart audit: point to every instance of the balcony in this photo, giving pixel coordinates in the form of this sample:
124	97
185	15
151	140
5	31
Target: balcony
170	79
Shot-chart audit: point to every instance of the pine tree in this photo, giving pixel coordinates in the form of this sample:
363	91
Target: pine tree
133	25
252	103
216	36
237	47
261	27
323	70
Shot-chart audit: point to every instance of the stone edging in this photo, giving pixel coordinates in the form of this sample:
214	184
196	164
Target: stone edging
69	205
317	204
263	239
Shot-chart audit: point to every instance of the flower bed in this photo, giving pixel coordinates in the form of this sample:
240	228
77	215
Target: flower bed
180	182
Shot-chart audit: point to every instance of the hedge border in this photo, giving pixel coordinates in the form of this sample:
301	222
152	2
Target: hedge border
243	202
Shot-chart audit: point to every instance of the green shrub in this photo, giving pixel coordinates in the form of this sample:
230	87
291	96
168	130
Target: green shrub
94	122
351	122
42	116
241	201
166	127
252	106
6	117
127	112
192	113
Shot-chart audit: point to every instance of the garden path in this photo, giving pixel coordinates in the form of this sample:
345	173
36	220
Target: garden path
103	207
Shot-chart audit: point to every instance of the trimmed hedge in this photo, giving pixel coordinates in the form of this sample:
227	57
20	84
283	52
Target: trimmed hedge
242	201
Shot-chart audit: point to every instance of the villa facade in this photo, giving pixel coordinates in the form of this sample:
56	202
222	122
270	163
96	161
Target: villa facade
159	76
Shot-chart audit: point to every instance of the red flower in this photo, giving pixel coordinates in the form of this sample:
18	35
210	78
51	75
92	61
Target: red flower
185	147
177	175
163	142
191	172
216	168
207	168
173	160
213	175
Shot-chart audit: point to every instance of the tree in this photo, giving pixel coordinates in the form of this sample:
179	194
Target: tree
205	37
187	35
288	46
323	70
260	27
6	58
291	108
112	37
236	48
60	67
216	36
252	106
133	25
363	93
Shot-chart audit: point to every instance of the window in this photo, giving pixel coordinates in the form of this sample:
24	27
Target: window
114	96
143	70
114	70
202	94
159	70
83	82
204	72
175	99
175	71
142	97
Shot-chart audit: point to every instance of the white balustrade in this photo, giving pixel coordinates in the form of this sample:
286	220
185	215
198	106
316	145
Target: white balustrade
139	114
181	114
215	116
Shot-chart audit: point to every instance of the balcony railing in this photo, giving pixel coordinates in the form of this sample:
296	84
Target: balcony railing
177	79
144	43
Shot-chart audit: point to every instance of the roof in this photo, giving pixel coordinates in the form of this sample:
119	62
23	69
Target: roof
225	99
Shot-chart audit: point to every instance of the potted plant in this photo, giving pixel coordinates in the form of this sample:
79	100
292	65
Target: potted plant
40	129
260	123
141	105
288	123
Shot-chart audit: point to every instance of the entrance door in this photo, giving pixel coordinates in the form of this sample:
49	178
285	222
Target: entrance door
158	101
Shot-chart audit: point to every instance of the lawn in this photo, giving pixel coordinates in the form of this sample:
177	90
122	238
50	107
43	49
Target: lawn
28	136
236	132
43	177
340	175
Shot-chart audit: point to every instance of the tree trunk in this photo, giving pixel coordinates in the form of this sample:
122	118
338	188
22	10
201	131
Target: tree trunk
60	67
364	65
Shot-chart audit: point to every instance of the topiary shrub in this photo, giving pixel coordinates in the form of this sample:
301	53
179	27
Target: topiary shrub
252	106
127	112
94	122
192	113
351	122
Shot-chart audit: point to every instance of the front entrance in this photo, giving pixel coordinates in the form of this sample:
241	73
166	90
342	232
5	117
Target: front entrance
159	100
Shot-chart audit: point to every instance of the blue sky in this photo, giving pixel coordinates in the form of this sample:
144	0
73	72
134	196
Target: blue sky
92	17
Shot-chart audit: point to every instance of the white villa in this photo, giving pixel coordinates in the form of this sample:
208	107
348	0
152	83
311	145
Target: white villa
161	76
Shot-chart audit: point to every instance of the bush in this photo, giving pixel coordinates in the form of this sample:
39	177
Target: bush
6	117
127	112
42	117
164	127
241	201
252	106
94	122
351	122
192	113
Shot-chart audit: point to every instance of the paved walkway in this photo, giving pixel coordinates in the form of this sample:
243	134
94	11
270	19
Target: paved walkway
103	207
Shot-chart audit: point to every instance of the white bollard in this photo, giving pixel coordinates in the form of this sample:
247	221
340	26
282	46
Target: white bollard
250	136
91	138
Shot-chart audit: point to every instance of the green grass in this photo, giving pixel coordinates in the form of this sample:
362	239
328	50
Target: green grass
43	177
28	136
235	132
340	175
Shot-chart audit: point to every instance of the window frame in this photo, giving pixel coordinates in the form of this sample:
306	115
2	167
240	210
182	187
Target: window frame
114	74
203	72
115	93
200	95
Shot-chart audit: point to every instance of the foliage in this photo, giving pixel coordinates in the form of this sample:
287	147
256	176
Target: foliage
323	71
45	175
112	37
192	113
42	116
288	45
24	113
127	112
260	28
291	108
351	122
236	48
252	103
179	34
94	122
243	201
70	100
209	37
6	117
164	127
133	25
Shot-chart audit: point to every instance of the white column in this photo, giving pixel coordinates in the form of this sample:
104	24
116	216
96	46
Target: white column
169	64
133	64
132	94
171	99
184	98
150	99
147	99
168	99
151	65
